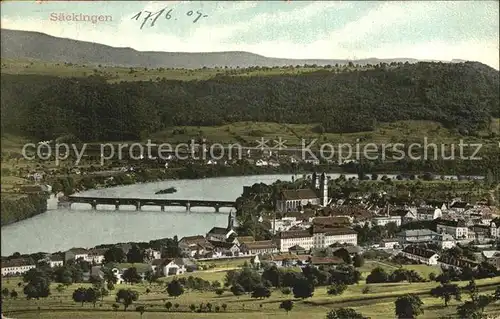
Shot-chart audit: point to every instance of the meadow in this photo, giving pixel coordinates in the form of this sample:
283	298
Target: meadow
378	303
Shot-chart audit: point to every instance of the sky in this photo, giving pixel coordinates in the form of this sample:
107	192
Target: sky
467	30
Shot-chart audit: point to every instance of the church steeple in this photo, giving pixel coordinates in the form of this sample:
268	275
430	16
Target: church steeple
230	221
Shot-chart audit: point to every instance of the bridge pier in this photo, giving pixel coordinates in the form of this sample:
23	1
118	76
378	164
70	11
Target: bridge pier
138	205
216	208
94	205
117	205
188	206
162	208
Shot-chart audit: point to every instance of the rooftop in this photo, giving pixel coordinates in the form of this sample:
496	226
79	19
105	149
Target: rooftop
299	194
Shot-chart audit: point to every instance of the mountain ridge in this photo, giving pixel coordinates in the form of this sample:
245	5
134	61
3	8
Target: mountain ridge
18	44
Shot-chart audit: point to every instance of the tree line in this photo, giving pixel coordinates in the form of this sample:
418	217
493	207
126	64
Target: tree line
461	96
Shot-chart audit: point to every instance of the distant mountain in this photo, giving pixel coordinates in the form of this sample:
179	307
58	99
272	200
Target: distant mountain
35	45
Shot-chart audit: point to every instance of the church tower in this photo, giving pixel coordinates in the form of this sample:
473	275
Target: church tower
230	221
323	189
315	181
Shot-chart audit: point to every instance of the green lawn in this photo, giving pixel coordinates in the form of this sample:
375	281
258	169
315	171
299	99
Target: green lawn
377	303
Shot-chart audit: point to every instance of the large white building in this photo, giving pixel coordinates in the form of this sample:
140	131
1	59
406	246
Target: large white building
317	194
457	229
316	237
17	266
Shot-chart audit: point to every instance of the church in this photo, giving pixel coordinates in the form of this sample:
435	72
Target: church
316	194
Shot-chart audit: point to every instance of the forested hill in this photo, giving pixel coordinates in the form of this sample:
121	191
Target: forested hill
461	96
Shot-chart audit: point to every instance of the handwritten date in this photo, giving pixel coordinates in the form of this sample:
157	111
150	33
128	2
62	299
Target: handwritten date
153	17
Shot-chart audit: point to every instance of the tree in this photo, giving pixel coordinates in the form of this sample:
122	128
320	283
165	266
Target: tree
92	294
79	295
174	288
496	295
114	255
286	305
377	275
469	310
131	275
219	291
192	307
151	276
286	290
261	292
140	309
344	254
446	292
471	288
109	276
336	289
135	255
344	313
409	306
237	290
13	294
5	292
303	288
38	284
358	261
168	305
224	306
126	297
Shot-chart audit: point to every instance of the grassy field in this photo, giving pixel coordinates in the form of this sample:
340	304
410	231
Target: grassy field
377	303
248	132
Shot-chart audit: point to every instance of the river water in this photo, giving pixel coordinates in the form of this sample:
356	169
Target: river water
61	229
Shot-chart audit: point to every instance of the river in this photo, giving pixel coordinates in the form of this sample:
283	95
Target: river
60	229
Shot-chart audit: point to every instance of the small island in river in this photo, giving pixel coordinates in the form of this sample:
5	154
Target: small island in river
169	190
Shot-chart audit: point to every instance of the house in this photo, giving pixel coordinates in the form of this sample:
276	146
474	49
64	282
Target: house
492	257
389	243
415	236
255	261
76	254
458	229
288	260
151	254
331	221
222	234
325	261
437	204
297	250
96	256
168	267
245	239
426	213
223	249
384	220
316	237
317	194
460	207
481	231
194	245
17	266
55	260
495	228
118	275
259	247
422	255
285	223
445	241
456	263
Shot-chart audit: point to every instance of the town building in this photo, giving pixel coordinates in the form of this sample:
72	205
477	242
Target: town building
317	237
259	247
168	267
220	233
457	228
195	245
317	194
16	266
416	236
151	254
445	241
422	255
428	213
460	207
76	254
96	256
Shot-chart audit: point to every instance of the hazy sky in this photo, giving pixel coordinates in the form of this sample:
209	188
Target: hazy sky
448	30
